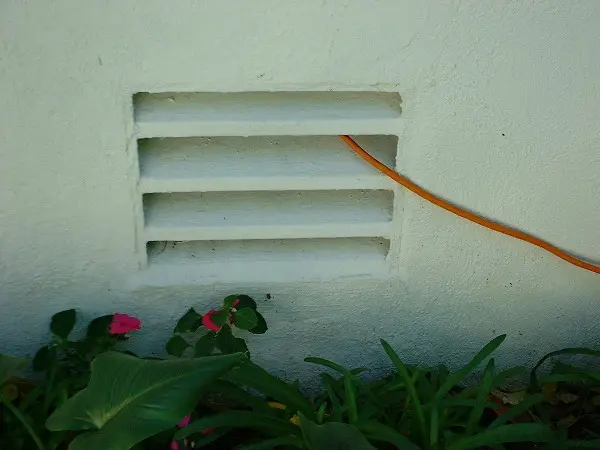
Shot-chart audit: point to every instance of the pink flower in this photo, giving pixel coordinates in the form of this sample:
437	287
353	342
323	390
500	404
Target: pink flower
184	422
174	445
235	302
207	321
122	323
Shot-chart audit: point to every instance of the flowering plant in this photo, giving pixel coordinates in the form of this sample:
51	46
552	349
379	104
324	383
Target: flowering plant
206	334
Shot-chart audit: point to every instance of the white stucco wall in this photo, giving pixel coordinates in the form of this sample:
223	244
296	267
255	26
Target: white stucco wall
500	114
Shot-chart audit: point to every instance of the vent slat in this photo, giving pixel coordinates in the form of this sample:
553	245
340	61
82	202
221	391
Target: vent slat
261	163
257	185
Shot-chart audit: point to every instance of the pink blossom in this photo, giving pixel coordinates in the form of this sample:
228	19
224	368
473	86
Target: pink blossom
184	422
174	445
122	323
207	321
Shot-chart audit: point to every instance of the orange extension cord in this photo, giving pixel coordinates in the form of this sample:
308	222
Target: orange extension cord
487	223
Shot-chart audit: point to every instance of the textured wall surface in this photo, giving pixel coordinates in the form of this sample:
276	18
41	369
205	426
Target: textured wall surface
500	110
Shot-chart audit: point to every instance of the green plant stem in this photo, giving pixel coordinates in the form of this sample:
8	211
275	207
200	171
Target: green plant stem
22	419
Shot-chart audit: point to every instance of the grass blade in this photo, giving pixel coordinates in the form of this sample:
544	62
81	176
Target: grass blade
274	443
253	376
455	378
519	432
517	410
594	443
351	398
481	398
533	382
410	387
379	432
326	363
239	419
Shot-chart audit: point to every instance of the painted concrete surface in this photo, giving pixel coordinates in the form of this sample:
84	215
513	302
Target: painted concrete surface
499	114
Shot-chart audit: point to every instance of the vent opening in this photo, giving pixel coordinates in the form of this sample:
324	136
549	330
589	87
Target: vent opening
259	183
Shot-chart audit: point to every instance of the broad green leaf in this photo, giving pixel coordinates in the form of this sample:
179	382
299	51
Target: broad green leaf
238	419
226	342
99	326
229	301
379	432
63	322
518	432
9	365
533	382
176	346
130	399
275	443
245	318
43	358
483	390
244	301
220	317
234	392
332	436
204	440
189	322
205	345
255	377
261	325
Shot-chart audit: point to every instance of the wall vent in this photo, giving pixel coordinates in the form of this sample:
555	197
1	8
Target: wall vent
257	185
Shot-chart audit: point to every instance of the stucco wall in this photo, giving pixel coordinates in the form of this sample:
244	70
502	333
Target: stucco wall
500	111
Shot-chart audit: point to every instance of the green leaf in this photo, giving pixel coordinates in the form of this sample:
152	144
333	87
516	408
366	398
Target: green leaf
237	420
275	443
518	432
594	444
457	377
63	322
326	363
378	432
220	317
9	365
130	399
244	301
332	436
245	318
533	382
99	326
525	405
236	393
43	358
226	342
205	345
483	390
189	322
176	346
261	325
504	376
410	387
350	391
255	377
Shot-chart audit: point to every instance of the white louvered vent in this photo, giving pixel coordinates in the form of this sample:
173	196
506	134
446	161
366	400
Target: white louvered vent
258	185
